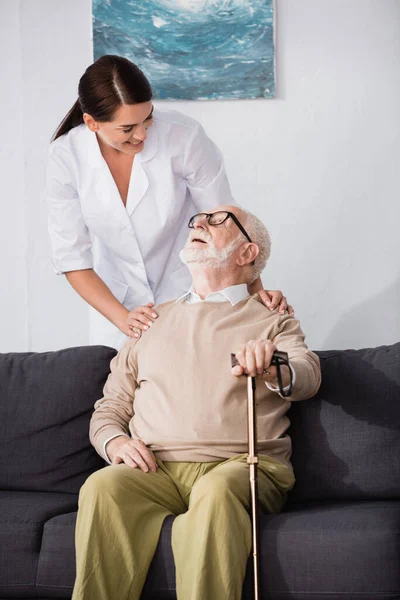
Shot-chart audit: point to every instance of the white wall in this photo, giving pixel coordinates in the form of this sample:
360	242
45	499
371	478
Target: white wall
319	164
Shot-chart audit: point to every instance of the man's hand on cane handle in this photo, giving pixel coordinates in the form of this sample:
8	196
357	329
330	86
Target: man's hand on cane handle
254	359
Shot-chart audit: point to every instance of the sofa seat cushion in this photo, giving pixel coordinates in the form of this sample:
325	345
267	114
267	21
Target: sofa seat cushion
22	518
312	551
332	550
56	569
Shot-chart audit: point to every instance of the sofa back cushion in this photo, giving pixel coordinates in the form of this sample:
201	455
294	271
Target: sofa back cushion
46	401
346	440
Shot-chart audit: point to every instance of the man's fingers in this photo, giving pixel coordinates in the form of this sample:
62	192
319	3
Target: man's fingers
254	358
270	377
241	358
250	361
131	457
259	356
145	454
129	461
135	454
237	370
290	310
138	459
269	349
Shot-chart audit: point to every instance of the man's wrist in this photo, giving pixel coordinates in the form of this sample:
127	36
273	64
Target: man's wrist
285	372
108	446
274	385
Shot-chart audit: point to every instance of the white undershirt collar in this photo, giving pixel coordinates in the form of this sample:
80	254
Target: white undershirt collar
233	293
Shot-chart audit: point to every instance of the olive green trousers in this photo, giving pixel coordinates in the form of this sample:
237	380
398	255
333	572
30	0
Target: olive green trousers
121	512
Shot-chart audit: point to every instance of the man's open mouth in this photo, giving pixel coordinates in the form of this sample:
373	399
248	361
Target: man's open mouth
199	240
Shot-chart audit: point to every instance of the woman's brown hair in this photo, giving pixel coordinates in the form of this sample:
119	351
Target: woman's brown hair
106	85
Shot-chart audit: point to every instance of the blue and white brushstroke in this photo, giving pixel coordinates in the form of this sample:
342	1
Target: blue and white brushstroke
192	49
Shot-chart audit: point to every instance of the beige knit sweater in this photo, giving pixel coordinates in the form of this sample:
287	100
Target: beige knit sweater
173	387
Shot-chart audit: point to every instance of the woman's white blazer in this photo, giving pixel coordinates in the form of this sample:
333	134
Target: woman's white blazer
134	249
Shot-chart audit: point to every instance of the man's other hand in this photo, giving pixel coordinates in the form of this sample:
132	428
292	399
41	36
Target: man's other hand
133	453
255	359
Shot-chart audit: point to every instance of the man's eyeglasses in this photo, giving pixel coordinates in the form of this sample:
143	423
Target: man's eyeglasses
218	218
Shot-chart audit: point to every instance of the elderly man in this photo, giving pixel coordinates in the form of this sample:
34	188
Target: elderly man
172	423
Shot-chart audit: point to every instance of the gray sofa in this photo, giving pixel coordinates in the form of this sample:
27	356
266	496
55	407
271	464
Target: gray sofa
338	536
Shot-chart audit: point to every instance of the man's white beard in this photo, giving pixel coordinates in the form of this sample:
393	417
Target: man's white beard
210	256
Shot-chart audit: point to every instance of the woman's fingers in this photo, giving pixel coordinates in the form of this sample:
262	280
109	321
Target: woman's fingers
150	312
283	305
264	295
276	296
142	317
138	320
145	312
278	300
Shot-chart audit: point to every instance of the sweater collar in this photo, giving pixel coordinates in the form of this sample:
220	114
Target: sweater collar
234	294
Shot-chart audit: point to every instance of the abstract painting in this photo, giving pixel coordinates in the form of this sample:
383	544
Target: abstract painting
192	49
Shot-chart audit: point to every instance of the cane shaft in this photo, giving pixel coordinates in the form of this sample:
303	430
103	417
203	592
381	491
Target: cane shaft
252	460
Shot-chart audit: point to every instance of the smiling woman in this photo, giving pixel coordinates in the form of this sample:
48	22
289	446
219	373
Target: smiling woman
123	179
117	134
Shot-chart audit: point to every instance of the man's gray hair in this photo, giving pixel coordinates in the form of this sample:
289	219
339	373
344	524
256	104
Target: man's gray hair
260	236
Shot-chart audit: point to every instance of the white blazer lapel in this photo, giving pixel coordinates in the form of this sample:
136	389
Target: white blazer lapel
139	181
138	185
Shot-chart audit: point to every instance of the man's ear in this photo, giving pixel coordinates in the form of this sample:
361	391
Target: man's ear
247	254
90	122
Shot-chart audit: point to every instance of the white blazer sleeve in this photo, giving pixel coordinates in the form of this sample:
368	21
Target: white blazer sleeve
204	171
69	235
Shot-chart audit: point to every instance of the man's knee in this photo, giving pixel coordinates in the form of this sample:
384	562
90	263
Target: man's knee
102	482
214	488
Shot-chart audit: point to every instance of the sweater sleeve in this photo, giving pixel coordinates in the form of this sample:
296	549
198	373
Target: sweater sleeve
115	409
289	337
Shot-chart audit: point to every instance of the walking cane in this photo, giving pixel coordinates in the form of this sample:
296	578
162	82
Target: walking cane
278	359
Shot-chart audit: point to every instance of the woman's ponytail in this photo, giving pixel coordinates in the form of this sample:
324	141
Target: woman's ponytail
71	120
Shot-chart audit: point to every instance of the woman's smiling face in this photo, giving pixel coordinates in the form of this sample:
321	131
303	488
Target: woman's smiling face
127	132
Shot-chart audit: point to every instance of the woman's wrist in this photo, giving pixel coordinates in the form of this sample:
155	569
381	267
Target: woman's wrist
120	320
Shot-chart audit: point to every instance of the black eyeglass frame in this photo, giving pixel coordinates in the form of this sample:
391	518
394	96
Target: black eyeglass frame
228	214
